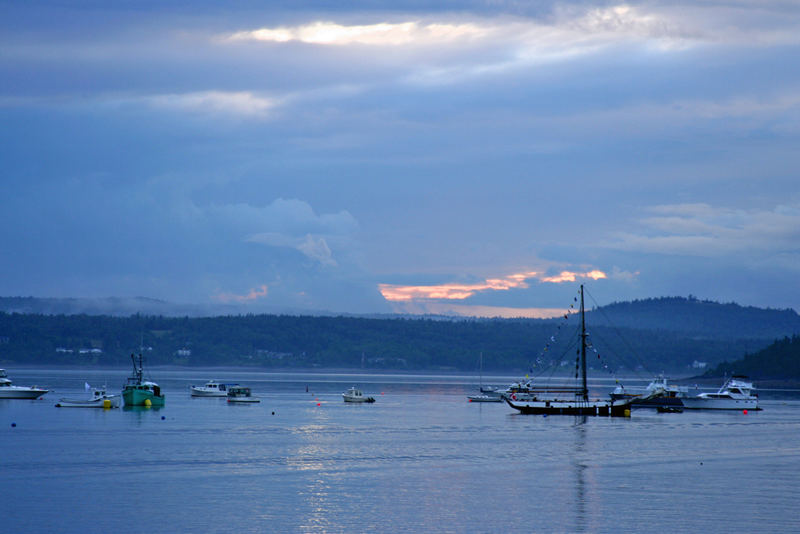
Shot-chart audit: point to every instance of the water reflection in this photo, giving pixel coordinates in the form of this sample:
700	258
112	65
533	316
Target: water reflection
579	467
313	457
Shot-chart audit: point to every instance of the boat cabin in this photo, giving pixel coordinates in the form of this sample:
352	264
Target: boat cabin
239	391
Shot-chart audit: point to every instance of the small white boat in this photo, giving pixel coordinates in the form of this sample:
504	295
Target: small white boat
10	391
241	394
355	395
735	394
210	389
485	398
99	398
487	393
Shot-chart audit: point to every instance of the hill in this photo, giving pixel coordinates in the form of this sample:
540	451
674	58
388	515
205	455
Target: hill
780	360
672	335
122	307
701	318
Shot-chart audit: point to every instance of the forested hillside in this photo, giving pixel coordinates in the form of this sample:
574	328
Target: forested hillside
779	360
684	333
702	318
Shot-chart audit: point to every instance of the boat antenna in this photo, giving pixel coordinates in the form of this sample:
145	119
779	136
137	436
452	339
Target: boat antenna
585	389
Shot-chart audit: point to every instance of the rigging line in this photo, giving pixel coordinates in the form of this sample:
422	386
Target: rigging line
636	356
555	362
542	351
620	359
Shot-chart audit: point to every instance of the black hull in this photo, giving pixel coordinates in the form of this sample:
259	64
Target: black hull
652	402
658	402
602	409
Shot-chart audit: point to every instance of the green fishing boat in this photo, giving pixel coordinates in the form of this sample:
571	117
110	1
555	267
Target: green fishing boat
140	392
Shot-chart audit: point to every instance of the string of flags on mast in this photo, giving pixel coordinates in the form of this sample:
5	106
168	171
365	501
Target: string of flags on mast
554	339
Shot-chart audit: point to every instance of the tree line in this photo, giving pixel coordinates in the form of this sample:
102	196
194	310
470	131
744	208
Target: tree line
290	341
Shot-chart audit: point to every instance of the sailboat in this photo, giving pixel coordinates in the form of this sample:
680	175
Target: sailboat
580	404
487	394
140	392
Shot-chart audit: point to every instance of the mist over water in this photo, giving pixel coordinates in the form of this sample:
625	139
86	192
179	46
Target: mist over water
420	458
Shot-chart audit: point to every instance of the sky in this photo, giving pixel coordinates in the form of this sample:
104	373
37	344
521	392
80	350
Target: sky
457	157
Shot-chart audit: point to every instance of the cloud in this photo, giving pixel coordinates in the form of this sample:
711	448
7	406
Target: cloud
377	34
468	310
568	29
254	294
292	233
242	103
282	219
446	49
704	230
568	276
454	291
313	247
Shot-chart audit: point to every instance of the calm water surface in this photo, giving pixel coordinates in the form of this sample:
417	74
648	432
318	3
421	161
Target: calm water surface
421	458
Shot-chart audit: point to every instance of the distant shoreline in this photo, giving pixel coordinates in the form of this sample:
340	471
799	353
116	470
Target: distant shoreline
488	379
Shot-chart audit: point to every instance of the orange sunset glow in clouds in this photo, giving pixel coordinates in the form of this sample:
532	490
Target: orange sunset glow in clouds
255	293
455	291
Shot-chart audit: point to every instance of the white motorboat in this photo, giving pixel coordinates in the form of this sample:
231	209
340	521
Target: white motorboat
98	398
210	389
356	395
735	394
9	391
485	398
241	394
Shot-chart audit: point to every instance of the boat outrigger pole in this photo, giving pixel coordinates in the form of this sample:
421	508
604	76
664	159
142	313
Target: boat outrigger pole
585	390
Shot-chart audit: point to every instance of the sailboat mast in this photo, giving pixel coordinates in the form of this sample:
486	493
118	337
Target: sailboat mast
583	350
481	378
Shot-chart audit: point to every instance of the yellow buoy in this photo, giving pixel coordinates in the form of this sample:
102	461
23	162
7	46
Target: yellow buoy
627	412
147	403
106	404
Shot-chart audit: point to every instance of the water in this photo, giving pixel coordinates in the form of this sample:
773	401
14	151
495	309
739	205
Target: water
420	458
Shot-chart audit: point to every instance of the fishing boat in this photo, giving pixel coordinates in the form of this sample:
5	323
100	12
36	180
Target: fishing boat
356	395
209	389
9	391
241	394
549	403
657	394
140	392
98	398
735	394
